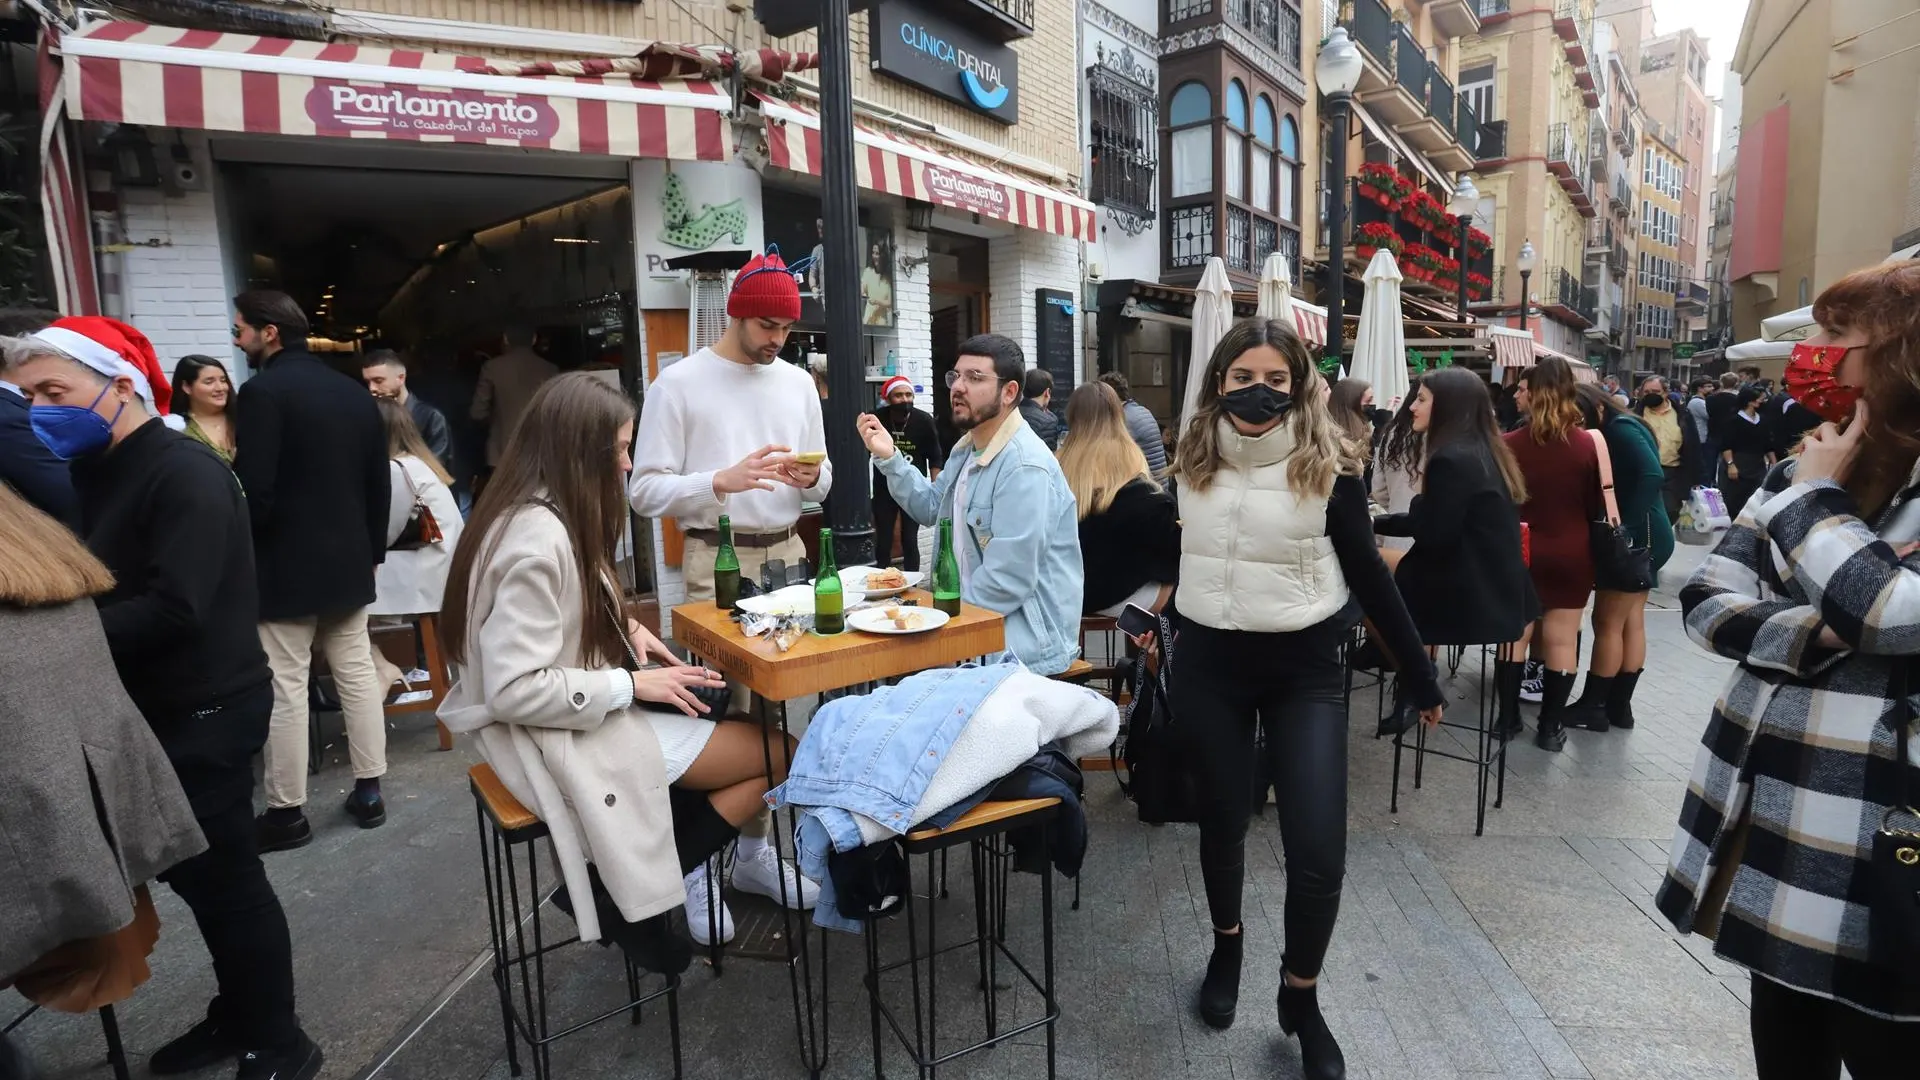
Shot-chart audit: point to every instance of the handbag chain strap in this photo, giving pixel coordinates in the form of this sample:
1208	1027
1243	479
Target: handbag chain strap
1903	765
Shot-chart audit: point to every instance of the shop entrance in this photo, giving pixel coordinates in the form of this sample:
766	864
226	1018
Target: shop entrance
956	274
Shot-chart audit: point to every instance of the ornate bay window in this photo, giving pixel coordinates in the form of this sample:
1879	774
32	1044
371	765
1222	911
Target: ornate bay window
1190	118
1125	136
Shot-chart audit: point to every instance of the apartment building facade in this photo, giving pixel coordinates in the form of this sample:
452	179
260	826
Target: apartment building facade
1671	84
1538	65
1826	149
1660	267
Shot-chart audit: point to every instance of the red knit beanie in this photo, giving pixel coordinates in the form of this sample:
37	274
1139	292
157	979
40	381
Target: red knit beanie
765	289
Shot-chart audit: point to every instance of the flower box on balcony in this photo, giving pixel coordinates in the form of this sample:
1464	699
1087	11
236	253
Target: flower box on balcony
1383	184
1376	236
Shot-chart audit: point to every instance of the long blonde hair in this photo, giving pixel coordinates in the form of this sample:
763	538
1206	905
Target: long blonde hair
1098	456
41	563
1321	451
1553	414
403	437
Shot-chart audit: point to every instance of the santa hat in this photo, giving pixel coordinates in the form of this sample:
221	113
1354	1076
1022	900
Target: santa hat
113	349
765	289
898	382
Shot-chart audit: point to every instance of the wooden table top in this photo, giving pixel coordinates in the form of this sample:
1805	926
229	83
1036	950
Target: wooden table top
817	664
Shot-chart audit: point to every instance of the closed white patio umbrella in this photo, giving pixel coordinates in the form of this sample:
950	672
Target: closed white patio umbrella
1275	297
1212	318
1380	349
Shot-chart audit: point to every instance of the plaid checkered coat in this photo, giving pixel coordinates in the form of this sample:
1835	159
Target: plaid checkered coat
1800	741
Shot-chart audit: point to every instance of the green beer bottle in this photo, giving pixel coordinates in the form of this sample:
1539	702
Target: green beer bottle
726	570
946	572
829	602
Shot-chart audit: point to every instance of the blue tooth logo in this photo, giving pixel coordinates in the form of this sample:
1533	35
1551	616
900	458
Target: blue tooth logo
981	96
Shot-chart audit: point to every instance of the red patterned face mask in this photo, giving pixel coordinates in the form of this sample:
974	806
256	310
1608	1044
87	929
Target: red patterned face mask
1810	379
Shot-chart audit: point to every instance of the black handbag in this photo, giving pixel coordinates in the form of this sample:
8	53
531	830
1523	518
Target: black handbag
422	528
1618	566
1893	899
1160	777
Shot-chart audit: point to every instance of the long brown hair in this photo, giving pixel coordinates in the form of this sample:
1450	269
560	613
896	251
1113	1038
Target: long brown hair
1349	416
1462	413
1098	456
41	563
1553	415
1320	452
563	451
403	437
1883	303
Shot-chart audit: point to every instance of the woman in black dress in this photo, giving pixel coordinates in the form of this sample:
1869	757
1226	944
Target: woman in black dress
1746	451
1464	580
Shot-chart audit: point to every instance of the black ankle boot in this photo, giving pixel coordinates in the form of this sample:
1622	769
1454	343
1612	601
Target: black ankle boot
1403	716
1555	688
1299	1007
1620	700
1506	690
1590	712
1220	991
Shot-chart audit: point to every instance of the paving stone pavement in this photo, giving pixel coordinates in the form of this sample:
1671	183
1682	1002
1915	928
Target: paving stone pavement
1531	951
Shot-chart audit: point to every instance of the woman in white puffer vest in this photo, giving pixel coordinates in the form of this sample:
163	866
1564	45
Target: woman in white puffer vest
1276	548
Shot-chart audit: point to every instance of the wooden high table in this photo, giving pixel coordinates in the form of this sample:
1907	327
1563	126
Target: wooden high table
818	665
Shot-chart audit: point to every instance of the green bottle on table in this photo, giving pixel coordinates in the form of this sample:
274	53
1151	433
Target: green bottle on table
726	570
829	601
946	572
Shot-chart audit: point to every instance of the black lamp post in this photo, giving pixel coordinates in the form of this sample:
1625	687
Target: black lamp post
851	517
1337	72
1466	199
1525	263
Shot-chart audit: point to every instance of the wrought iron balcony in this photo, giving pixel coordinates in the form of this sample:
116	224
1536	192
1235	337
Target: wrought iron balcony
1493	141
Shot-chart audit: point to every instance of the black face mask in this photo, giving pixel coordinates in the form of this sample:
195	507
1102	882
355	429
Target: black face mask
899	412
1257	404
1651	400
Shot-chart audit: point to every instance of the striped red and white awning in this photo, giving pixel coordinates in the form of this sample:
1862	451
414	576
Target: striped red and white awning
1512	348
891	164
1310	321
63	200
135	73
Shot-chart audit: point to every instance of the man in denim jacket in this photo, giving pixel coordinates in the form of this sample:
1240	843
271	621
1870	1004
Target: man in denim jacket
1016	531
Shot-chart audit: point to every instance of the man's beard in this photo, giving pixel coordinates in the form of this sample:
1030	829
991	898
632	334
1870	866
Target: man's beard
977	416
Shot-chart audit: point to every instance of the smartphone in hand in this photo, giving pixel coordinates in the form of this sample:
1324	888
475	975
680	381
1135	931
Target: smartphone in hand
1136	621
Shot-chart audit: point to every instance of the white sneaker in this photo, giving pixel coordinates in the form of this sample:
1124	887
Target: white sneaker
697	907
1532	682
760	873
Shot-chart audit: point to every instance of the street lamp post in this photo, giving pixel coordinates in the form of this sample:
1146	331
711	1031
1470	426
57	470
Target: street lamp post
1525	263
851	517
1466	199
1336	73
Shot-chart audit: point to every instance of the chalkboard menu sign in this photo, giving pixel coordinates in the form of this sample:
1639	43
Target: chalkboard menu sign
1053	340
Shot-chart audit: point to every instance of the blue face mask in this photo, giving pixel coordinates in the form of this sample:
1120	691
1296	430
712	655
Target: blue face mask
72	431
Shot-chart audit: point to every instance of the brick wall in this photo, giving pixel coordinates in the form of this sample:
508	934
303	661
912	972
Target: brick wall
1019	264
176	292
913	315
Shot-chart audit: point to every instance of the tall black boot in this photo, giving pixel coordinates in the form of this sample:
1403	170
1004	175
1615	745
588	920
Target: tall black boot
1590	712
1299	1008
1506	690
1555	688
1620	700
1220	990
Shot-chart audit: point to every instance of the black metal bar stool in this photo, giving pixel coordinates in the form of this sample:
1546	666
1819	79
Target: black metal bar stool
984	830
109	1024
1489	758
506	824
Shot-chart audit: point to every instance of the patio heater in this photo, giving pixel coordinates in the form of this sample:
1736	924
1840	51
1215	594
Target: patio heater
1337	72
1466	199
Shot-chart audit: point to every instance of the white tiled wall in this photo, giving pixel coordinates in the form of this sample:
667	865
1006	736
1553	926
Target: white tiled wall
176	291
913	314
1019	264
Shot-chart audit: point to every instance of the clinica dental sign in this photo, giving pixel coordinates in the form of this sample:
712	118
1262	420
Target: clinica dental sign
918	45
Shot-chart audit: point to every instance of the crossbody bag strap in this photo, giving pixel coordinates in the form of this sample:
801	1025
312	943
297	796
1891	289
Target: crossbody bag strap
1606	476
1902	723
412	491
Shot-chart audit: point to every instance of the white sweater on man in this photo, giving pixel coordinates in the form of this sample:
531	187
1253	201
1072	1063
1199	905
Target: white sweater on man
705	414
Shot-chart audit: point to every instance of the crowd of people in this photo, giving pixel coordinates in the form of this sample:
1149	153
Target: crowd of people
210	543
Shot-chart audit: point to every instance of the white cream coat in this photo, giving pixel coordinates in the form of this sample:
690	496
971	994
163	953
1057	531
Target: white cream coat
594	774
1254	554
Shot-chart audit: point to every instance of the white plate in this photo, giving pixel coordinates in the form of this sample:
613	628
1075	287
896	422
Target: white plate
792	600
855	577
875	621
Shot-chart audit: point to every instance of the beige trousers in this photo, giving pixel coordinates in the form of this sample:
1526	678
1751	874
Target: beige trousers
349	652
696	569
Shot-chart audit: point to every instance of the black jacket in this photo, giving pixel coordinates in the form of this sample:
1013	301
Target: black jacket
1790	424
165	514
1042	421
1721	405
1137	540
29	468
1463	580
917	437
434	429
312	456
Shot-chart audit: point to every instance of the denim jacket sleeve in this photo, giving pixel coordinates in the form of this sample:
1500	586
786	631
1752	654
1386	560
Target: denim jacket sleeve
912	491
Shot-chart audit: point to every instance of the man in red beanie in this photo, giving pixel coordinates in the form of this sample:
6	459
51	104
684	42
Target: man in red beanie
719	435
